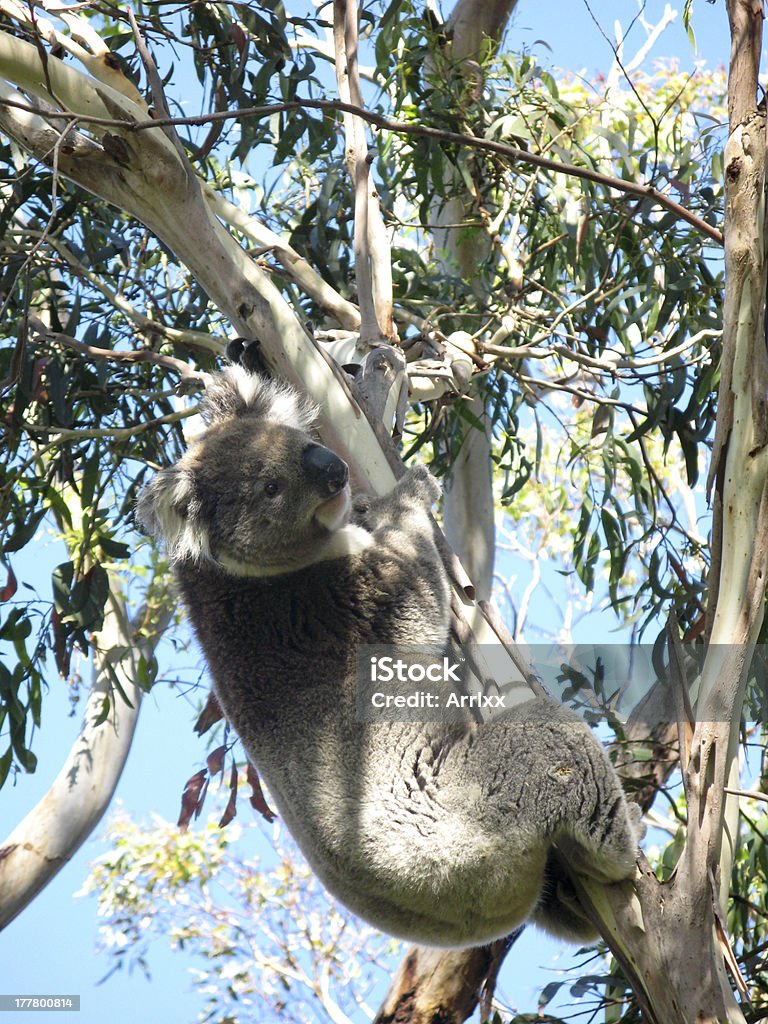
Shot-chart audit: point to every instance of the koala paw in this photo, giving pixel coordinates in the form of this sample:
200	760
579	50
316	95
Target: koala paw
415	492
361	504
420	484
363	511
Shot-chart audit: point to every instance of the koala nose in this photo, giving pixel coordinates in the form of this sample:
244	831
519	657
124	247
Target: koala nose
325	469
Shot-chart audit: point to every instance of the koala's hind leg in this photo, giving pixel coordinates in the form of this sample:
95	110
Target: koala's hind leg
600	830
559	911
579	794
595	829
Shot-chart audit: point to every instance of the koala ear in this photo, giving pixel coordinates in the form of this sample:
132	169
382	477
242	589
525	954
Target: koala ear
235	392
169	511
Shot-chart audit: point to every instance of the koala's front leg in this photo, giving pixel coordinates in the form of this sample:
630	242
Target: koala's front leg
407	505
403	527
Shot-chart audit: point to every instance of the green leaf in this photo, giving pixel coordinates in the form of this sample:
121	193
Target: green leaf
5	765
113	549
22	534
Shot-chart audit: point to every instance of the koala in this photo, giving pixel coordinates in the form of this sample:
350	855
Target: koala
440	833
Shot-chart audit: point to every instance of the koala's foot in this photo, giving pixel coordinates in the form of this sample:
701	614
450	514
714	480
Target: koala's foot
610	854
569	920
558	911
361	507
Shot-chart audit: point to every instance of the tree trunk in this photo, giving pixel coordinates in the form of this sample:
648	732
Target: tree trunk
434	985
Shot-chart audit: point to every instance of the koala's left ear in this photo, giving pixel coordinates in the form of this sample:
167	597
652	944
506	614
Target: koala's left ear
168	510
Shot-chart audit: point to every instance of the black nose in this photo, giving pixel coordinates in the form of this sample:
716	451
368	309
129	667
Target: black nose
325	469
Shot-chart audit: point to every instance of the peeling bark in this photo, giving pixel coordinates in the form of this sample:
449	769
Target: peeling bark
437	985
373	263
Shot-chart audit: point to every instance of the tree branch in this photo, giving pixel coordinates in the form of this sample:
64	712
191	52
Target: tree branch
511	153
47	838
373	262
186	372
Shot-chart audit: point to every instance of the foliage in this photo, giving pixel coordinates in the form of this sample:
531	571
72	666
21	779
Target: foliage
596	318
266	941
556	555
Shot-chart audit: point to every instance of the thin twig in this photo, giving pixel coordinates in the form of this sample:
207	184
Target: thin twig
184	370
748	794
113	433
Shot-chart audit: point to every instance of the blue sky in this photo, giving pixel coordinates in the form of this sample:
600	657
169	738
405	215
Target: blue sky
50	948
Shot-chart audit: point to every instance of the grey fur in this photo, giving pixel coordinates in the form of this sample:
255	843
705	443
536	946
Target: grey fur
441	834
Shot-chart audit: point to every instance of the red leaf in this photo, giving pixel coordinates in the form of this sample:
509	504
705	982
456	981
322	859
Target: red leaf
230	810
216	759
10	587
39	392
61	651
192	798
210	715
238	37
257	797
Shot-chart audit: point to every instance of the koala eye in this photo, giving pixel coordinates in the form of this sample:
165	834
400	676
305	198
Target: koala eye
271	487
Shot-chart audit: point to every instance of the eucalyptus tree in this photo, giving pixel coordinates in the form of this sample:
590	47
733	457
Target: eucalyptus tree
461	260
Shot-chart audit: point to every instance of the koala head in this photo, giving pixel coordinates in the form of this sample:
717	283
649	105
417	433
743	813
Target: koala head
255	493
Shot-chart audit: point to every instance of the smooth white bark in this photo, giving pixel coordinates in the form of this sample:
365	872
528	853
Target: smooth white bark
47	838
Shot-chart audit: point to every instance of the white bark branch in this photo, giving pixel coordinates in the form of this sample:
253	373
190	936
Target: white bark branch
468	505
306	277
468	508
373	263
47	838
